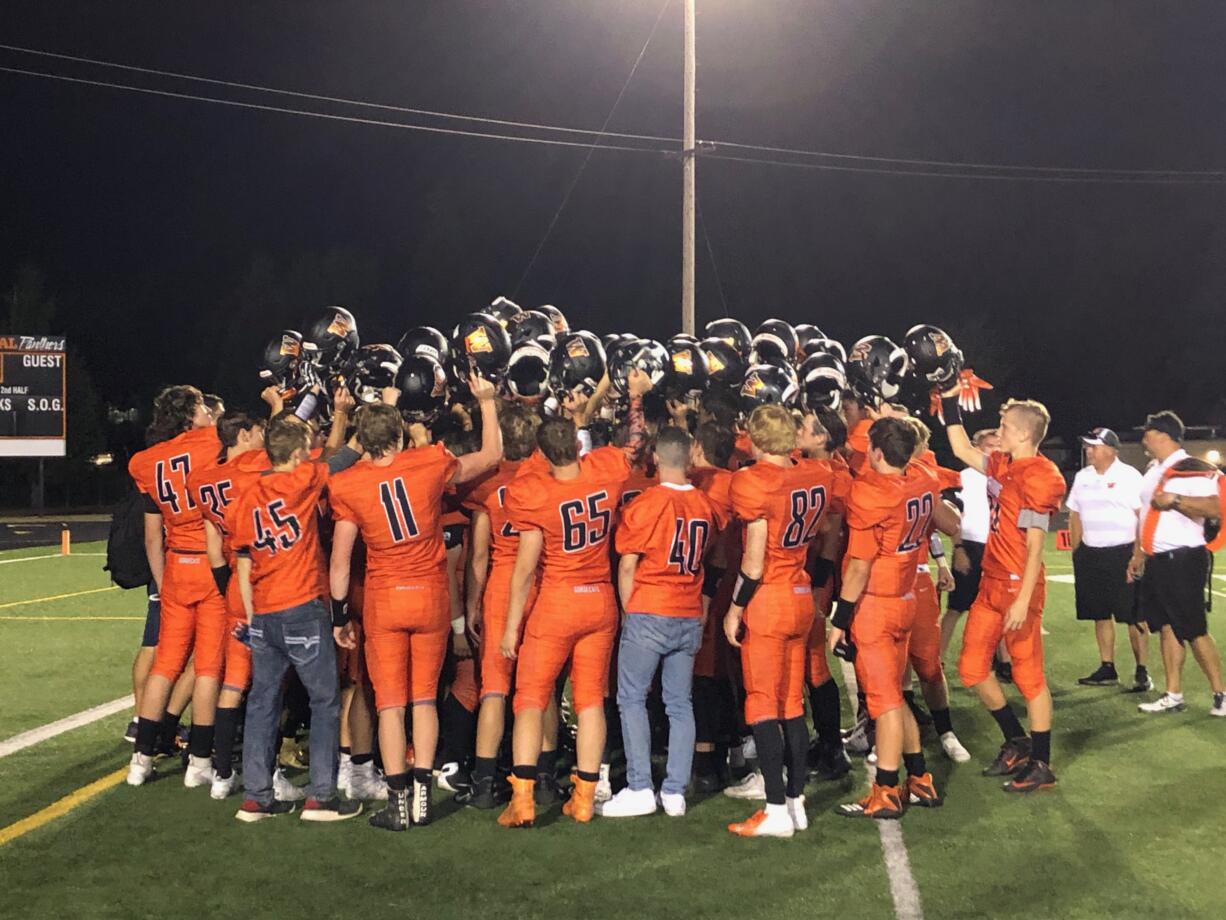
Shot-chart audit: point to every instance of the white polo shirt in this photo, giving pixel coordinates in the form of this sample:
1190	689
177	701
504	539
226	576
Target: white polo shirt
1107	504
1176	530
976	513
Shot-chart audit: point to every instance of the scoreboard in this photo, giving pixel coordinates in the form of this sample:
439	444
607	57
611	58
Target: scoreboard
33	396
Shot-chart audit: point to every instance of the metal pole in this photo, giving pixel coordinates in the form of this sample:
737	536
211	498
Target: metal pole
687	179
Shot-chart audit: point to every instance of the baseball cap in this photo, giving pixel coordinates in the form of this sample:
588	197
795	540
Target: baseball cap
1101	437
1166	422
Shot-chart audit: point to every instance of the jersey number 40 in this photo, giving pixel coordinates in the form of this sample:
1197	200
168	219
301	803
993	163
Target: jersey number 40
689	545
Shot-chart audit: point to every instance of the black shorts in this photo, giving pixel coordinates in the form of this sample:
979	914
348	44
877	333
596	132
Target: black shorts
1100	575
153	618
1173	592
966	587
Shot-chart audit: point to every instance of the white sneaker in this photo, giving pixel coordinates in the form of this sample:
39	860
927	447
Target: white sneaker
1219	705
749	748
285	791
365	784
445	777
199	772
344	775
140	769
796	810
772	821
1165	703
629	803
223	788
673	804
953	748
604	788
751	787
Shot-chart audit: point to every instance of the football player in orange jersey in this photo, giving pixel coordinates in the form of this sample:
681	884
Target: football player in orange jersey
662	539
781	500
193	613
564	517
1024	490
889	511
491	561
274	528
395	501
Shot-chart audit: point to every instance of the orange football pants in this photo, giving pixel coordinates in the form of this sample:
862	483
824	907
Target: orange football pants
713	653
777	625
881	631
237	673
497	671
575	622
408	628
925	648
817	671
193	618
985	627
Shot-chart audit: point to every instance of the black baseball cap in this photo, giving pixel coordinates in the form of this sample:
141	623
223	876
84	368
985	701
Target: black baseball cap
1166	422
1103	437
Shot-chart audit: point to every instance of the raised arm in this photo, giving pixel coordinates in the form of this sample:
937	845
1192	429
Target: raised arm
959	440
470	466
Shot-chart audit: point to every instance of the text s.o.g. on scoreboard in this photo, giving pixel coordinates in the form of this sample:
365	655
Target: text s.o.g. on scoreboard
33	397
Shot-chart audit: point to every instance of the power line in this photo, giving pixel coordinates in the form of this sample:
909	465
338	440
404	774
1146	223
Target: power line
719	284
582	166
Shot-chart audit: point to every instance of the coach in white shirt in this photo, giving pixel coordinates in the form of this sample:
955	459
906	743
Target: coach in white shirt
1103	505
1178	494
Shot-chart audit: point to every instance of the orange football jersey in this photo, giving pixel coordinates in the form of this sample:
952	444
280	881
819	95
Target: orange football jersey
669	527
638	483
792	500
162	472
889	518
276	522
575	516
857	446
215	487
946	478
1031	484
398	509
490	496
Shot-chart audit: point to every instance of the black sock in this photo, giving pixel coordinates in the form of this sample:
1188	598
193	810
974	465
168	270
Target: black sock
200	741
424	776
796	749
547	763
1010	727
520	771
344	750
358	759
458	727
588	777
942	721
886	777
168	728
768	736
1142	672
721	757
824	701
704	762
397	782
484	767
146	735
915	764
223	742
1040	746
1109	666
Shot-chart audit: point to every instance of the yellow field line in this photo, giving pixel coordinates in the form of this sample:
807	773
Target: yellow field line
64	619
58	597
62	807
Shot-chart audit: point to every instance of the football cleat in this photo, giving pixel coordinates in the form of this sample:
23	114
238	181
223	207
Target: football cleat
365	783
452	777
547	791
953	748
922	791
749	748
829	761
334	809
604	786
292	755
1036	775
521	812
859	739
199	772
629	803
1219	705
582	802
706	783
673	804
129	733
395	815
1012	757
223	787
751	787
1103	676
883	803
284	790
421	808
251	810
1164	703
344	775
796	811
1142	683
771	821
479	795
140	769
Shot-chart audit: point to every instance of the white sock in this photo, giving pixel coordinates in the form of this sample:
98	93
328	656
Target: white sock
1178	697
776	810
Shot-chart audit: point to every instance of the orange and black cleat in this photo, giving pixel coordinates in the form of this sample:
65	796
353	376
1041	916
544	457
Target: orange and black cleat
1036	776
521	812
922	792
1013	756
882	802
582	802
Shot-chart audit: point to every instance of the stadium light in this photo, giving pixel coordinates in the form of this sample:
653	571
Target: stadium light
1213	455
102	459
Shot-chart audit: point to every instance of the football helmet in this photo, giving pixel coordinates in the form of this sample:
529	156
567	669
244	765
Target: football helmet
372	368
774	342
425	340
423	389
933	355
733	332
504	309
578	362
875	369
767	383
480	345
331	337
725	364
822	380
824	347
686	373
806	332
281	362
560	325
527	377
532	326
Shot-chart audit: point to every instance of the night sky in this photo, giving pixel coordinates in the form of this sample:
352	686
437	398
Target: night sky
177	236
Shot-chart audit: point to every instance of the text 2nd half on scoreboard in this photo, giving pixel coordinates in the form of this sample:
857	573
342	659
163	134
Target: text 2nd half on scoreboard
33	396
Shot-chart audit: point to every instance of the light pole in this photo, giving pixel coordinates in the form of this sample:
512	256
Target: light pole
687	178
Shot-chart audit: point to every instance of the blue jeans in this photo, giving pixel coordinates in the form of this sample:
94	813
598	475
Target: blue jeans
648	642
300	637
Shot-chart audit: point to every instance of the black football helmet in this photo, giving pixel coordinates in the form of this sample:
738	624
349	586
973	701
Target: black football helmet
686	373
824	347
281	362
423	389
618	361
774	342
504	309
875	369
933	355
768	383
560	325
806	332
527	377
823	379
331	337
725	364
479	344
681	337
578	362
425	340
532	326
732	331
372	368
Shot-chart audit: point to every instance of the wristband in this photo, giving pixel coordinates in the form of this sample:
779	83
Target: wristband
844	610
951	411
822	569
340	613
712	576
457	626
744	590
221	577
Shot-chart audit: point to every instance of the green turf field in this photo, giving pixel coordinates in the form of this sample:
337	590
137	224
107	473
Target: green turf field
1131	831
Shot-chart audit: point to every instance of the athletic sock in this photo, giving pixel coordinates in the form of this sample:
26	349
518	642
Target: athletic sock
1109	666
824	701
484	767
200	741
1040	746
359	759
942	721
397	782
1142	673
1178	697
528	771
223	742
168	728
586	777
423	776
768	737
887	777
915	764
146	735
796	749
345	750
547	763
704	762
1010	727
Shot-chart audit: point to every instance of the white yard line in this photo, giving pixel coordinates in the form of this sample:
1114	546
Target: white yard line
903	889
51	729
48	556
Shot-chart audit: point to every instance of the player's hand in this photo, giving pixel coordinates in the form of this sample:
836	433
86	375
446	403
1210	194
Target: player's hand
1136	568
574	407
945	579
482	389
462	415
1163	500
389	396
342	400
638	383
510	643
459	645
345	636
272	396
834	636
962	561
678	411
474	620
419	436
732	626
1015	616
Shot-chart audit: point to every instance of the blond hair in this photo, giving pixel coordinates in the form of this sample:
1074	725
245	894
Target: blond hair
922	433
772	429
1034	412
